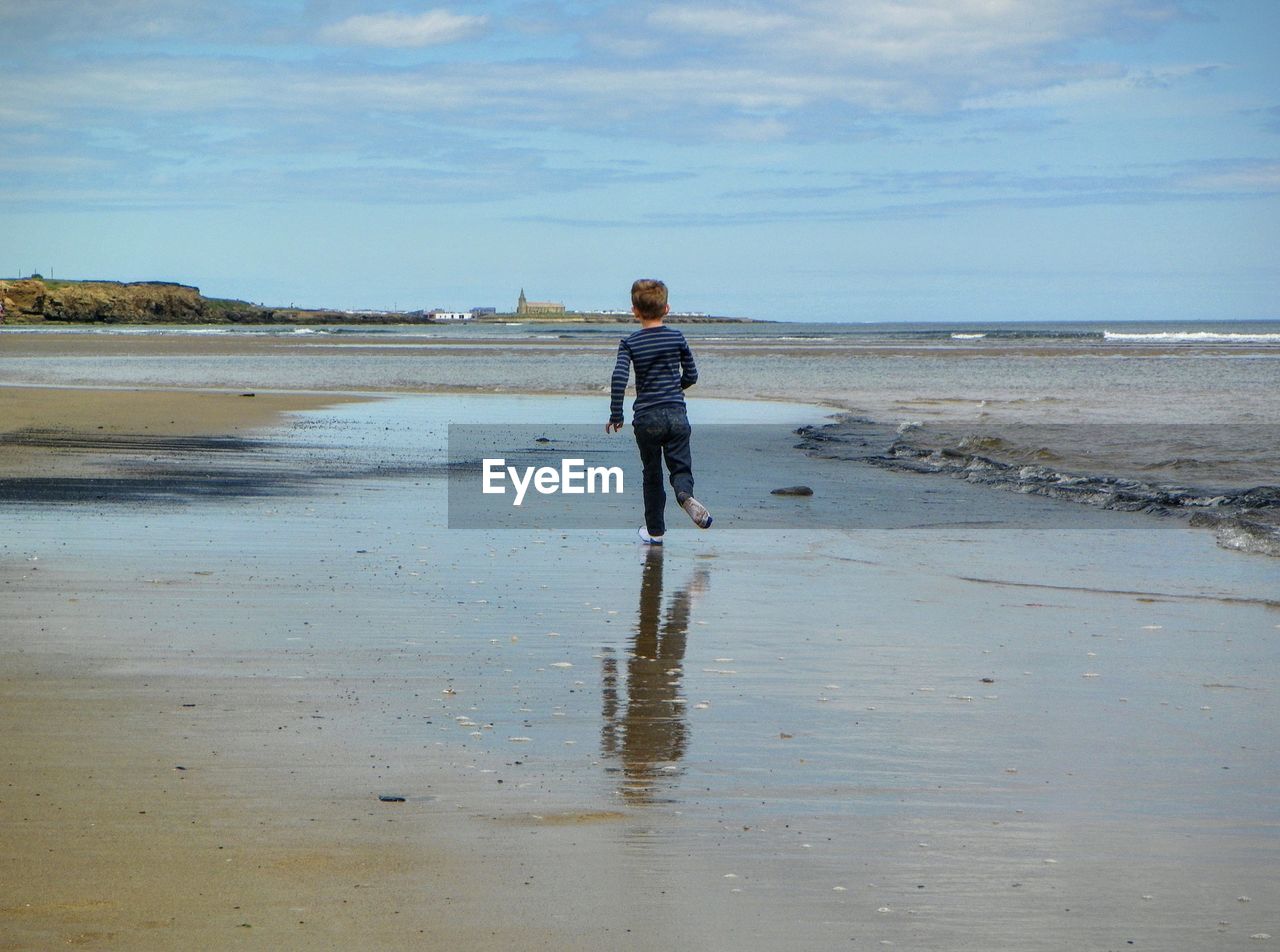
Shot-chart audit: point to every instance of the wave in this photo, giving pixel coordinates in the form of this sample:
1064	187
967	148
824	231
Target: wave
967	336
804	338
1200	337
1252	530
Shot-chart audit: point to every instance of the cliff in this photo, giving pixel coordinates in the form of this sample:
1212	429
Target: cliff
36	301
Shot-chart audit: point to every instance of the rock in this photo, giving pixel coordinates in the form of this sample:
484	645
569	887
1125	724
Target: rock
391	798
792	491
35	301
116	303
22	297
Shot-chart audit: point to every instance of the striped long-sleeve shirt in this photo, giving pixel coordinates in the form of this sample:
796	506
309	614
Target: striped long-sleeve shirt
664	369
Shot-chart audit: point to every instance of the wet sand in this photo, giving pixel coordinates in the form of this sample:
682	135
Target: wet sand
965	734
55	431
164	412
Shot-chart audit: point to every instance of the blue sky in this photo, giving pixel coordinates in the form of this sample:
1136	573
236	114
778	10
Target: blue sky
858	160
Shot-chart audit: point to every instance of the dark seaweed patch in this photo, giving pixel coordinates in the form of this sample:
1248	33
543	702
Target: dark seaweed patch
184	469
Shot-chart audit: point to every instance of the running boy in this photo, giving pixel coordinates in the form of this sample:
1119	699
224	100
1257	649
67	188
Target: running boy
664	370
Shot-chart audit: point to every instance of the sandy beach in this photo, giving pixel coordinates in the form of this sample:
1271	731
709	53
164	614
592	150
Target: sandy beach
333	346
994	723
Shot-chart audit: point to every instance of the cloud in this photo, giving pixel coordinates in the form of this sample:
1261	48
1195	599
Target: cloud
754	130
32	27
723	21
402	30
1248	177
1118	83
921	30
940	194
926	54
801	71
170	111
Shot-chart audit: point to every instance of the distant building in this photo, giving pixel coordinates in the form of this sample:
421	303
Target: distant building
437	315
527	308
483	311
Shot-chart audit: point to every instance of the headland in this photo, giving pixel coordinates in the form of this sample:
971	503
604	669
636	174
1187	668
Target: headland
36	300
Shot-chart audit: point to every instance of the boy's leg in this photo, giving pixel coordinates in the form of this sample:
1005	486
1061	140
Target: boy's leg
679	455
649	442
680	465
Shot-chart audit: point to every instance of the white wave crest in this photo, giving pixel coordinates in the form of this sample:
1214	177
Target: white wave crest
1203	337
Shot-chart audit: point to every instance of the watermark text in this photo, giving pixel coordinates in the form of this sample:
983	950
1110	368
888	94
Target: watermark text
573	477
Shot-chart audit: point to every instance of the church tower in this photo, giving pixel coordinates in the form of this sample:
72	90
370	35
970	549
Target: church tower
522	305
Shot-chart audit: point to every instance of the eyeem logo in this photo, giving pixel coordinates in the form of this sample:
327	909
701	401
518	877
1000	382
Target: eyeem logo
574	477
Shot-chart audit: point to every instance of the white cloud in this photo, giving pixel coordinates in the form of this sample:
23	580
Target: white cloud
930	53
402	30
753	130
722	21
1247	177
1119	83
707	69
920	31
39	22
692	72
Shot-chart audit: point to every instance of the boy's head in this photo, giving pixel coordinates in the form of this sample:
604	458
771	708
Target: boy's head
649	299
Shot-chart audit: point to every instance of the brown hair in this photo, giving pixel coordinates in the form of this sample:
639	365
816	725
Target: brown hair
649	297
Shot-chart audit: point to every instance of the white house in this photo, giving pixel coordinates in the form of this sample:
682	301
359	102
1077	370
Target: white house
437	315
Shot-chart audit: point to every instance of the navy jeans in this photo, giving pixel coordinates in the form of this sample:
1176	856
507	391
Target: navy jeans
663	431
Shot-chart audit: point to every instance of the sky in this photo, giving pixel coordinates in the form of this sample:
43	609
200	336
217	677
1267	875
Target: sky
864	160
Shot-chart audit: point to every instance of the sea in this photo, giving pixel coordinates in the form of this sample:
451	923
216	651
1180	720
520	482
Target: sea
1174	418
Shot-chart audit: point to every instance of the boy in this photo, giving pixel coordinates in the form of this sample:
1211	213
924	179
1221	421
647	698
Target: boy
664	370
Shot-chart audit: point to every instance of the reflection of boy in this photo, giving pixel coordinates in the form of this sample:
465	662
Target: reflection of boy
664	370
650	736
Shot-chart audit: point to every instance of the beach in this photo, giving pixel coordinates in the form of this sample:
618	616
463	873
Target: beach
906	711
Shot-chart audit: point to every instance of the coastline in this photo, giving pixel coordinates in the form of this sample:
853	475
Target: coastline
35	301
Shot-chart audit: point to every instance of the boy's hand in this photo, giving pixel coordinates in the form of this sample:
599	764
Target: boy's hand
612	427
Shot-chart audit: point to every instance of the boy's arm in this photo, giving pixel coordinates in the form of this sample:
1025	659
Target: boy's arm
688	369
618	383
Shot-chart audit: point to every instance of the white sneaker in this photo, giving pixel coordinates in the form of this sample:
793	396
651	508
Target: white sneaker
648	539
697	512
